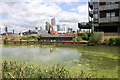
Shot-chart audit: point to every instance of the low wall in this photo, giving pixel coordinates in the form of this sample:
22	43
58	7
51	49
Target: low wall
56	38
109	35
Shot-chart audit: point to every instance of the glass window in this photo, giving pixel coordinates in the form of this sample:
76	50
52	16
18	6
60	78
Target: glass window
107	3
108	14
96	16
112	14
112	2
95	4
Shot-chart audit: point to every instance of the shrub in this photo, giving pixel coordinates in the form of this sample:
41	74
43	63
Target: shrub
77	39
38	38
114	41
12	39
105	42
86	36
5	41
96	38
28	38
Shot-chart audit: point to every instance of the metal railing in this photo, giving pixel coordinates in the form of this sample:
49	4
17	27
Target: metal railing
110	19
109	7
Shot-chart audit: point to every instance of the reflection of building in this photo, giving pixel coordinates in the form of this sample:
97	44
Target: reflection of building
105	16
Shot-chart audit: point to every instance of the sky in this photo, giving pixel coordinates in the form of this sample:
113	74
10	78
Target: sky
28	14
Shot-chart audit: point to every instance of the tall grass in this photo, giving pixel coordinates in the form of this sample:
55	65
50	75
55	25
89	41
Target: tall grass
24	70
14	69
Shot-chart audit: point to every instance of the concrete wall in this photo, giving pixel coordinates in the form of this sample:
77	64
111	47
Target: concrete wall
57	38
110	35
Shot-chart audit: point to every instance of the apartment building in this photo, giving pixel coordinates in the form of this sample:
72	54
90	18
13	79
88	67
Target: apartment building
104	16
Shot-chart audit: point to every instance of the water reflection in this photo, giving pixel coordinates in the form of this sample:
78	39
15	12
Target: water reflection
41	55
59	55
52	49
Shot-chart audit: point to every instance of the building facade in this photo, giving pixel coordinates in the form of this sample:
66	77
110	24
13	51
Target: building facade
104	16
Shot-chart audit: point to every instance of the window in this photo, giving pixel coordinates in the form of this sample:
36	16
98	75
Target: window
107	14
95	4
112	14
96	16
109	3
112	2
95	9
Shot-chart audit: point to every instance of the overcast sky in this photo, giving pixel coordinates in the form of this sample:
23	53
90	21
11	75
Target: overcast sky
27	14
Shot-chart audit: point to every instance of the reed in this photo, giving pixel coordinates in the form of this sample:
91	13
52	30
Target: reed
13	69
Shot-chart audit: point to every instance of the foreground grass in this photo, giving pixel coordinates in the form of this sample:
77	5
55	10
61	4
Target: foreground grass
13	69
24	70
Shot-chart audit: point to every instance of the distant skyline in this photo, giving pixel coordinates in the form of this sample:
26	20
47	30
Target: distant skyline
29	14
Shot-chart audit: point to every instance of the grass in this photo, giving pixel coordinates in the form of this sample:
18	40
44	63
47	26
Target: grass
14	69
24	70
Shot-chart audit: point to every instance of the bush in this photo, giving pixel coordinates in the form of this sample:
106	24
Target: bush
5	41
96	38
114	41
39	37
12	39
105	42
77	39
86	36
29	38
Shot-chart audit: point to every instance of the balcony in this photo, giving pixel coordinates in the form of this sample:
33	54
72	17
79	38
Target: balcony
108	20
91	14
109	7
91	5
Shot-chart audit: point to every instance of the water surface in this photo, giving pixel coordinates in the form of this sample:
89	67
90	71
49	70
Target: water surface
91	57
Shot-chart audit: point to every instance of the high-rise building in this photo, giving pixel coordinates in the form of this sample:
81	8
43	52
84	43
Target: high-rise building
47	27
53	21
104	16
58	27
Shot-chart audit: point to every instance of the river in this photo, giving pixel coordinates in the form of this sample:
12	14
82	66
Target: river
102	58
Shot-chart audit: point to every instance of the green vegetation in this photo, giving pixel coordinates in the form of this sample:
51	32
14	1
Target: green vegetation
86	36
13	69
28	38
114	41
25	70
39	37
5	41
96	38
77	39
12	39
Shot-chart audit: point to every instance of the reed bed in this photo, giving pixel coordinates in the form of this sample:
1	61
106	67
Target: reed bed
14	69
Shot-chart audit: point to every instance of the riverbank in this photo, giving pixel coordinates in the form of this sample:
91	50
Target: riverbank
45	42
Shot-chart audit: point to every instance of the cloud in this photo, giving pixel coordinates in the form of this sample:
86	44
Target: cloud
44	0
24	15
83	9
83	12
